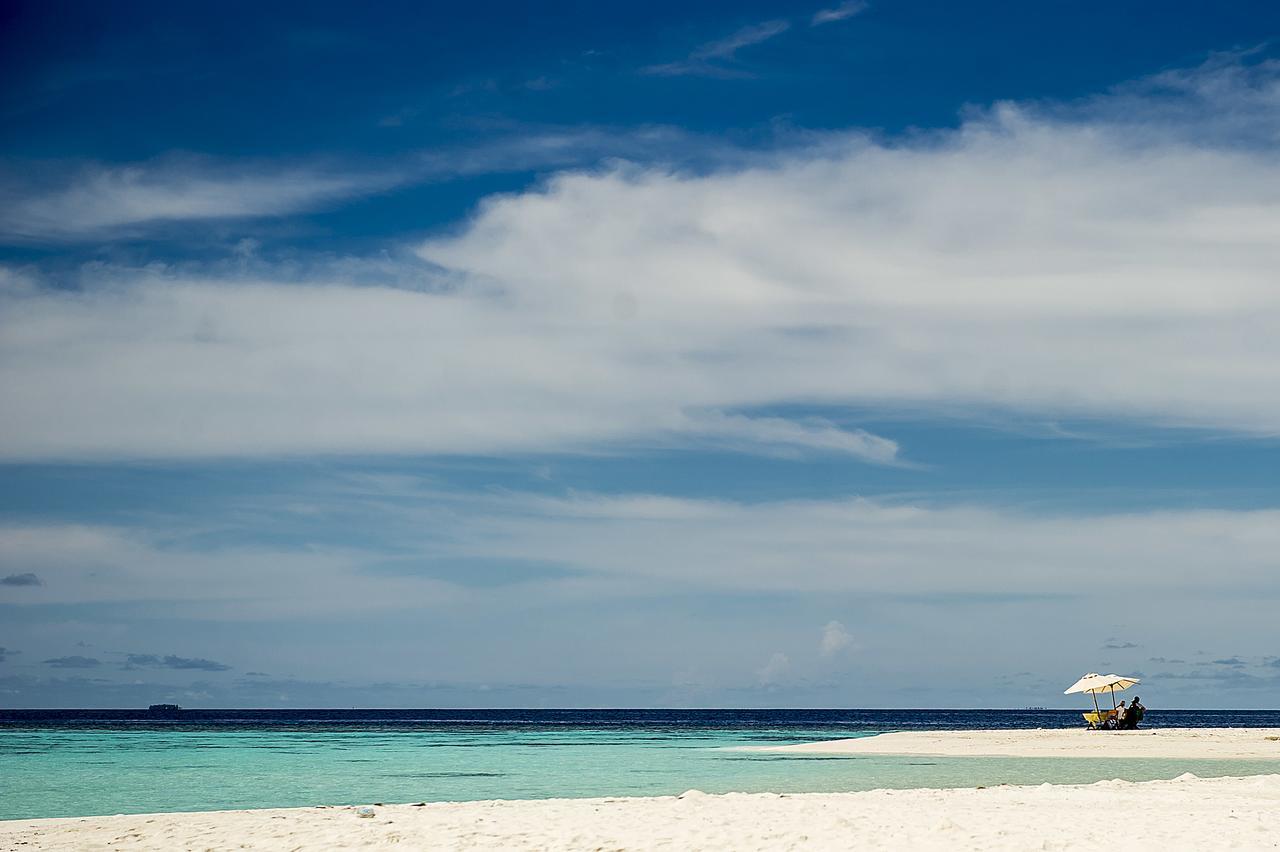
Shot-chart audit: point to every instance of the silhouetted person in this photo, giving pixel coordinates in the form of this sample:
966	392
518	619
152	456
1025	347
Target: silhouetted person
1135	714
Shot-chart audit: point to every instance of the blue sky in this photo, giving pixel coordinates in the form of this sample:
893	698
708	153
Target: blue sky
857	354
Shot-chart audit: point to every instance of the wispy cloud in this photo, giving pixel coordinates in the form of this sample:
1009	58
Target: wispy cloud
782	437
717	58
1223	678
73	662
71	689
73	201
171	661
111	201
399	118
937	554
908	572
845	10
147	565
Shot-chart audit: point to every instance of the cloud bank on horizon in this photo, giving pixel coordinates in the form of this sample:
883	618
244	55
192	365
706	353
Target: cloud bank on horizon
797	301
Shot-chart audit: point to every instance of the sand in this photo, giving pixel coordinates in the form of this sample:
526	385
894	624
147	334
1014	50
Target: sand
1186	813
1177	743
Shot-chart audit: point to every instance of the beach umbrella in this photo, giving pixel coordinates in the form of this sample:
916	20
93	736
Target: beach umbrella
1093	683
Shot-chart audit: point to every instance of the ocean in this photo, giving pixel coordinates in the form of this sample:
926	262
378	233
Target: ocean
92	762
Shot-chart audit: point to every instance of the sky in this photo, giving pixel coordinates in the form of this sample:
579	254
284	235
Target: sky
857	354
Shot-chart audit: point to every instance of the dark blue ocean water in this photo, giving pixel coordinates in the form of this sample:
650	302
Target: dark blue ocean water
835	721
82	762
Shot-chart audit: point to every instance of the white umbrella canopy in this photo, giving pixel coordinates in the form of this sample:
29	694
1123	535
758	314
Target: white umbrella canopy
1093	683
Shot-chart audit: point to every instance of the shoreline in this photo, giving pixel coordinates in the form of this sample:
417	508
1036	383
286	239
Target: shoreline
1182	812
1186	812
1151	743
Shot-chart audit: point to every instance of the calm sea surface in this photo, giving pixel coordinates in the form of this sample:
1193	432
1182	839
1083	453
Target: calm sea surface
83	762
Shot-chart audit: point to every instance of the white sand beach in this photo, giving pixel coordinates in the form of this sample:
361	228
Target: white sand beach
1175	743
1185	813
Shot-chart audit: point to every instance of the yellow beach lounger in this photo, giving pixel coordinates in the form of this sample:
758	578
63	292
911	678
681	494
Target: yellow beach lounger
1097	718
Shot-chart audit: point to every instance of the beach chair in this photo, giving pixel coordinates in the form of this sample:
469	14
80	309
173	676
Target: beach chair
1097	719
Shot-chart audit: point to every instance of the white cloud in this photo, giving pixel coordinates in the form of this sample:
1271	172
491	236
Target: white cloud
172	368
103	201
834	639
13	282
75	201
847	9
878	548
636	544
102	564
1093	261
731	582
774	669
787	437
716	58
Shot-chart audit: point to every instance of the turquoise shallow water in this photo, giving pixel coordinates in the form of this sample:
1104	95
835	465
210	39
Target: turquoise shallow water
75	772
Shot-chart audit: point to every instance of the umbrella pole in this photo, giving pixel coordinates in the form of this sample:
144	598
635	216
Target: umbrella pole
1096	708
1113	698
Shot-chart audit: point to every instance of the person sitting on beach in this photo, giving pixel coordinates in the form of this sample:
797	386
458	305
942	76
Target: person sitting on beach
1135	714
1122	717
